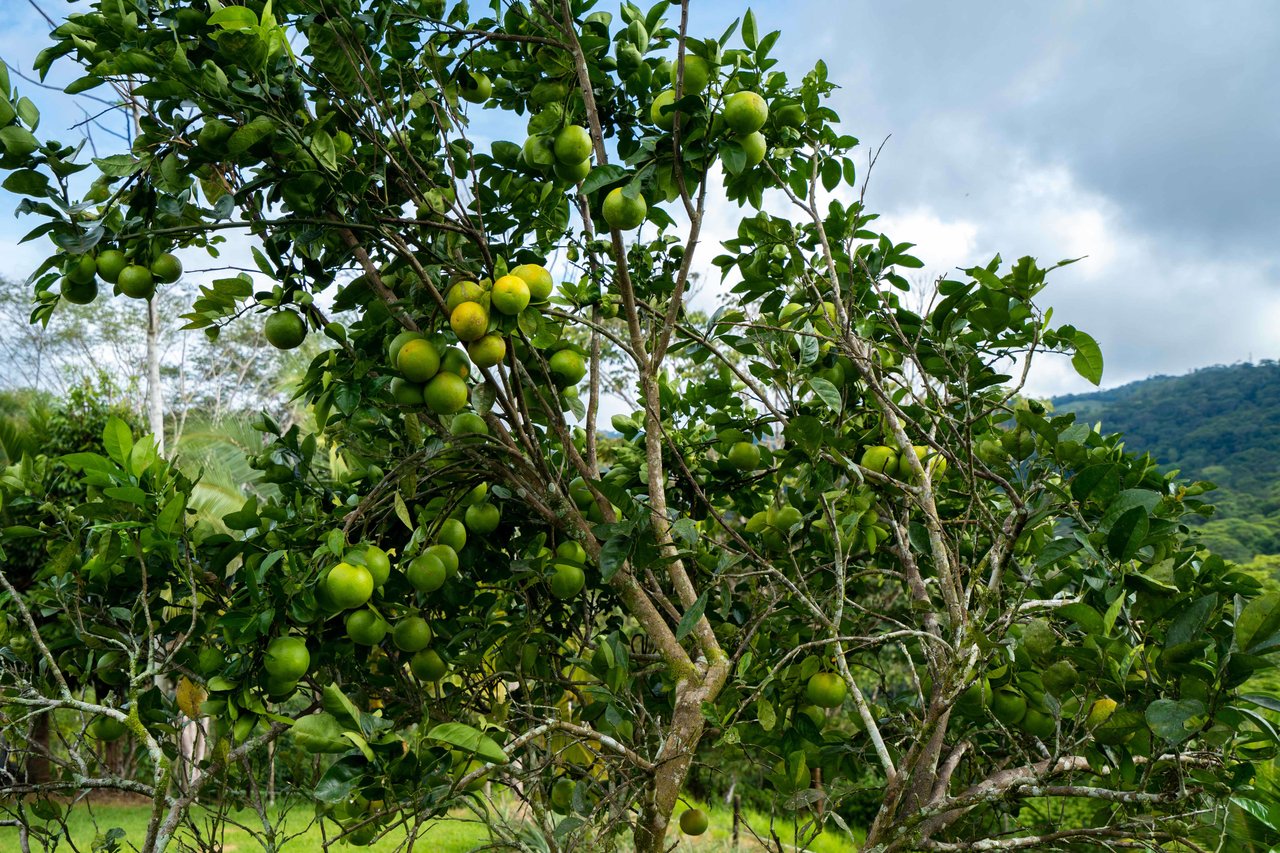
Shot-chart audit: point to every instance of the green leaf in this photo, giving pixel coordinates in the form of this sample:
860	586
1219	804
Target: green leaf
89	462
749	36
1258	624
340	780
28	182
1113	612
616	550
691	616
233	18
84	84
1128	533
17	141
1085	616
321	733
735	159
117	439
1192	621
360	743
245	518
470	740
1172	719
765	713
402	513
117	165
128	494
337	703
827	393
1087	359
1271	703
602	176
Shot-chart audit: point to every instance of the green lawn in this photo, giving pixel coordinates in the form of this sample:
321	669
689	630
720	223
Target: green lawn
456	835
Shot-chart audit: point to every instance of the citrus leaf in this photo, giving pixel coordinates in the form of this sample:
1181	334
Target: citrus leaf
1127	534
1088	358
467	739
691	617
1172	719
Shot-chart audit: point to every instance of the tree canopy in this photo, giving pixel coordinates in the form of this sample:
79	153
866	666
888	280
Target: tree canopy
829	544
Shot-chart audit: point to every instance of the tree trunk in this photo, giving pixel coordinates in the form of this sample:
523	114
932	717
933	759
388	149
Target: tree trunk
37	763
672	764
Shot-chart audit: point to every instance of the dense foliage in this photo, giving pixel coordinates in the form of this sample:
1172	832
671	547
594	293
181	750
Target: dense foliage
1220	424
832	544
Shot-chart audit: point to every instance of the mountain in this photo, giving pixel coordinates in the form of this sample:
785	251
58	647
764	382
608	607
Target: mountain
1220	424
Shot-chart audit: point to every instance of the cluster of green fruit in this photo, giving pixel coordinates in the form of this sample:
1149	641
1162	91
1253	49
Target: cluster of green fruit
568	153
743	113
775	525
80	275
433	373
1032	694
888	461
860	525
349	586
566	567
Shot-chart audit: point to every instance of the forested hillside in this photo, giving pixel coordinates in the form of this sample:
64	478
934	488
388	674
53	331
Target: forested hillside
1220	424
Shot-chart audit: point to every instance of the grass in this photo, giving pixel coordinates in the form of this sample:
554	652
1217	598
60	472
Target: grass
459	834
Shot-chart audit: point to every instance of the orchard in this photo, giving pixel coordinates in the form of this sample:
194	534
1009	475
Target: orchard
828	543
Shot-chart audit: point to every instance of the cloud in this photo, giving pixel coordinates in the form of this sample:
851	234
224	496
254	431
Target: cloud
1138	135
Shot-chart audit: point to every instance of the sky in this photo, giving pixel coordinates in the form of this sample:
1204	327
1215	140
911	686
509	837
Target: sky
1142	136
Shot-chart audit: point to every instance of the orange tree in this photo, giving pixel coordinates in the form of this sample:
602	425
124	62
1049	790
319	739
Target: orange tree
834	540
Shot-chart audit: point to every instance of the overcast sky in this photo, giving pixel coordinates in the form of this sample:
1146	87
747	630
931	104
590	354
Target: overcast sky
1144	135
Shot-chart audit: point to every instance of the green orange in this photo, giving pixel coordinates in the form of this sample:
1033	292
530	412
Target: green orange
487	351
446	554
110	263
826	690
453	534
398	342
418	360
426	573
468	423
407	393
411	634
573	144
483	518
539	280
79	292
745	112
166	268
510	295
455	361
136	281
694	822
697	74
445	394
82	269
349	586
287	658
365	627
660	112
469	321
567	368
283	329
427	665
623	213
567	580
463	291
